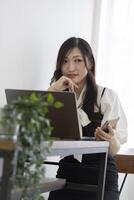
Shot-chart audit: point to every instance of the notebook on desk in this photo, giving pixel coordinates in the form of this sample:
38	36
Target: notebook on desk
65	121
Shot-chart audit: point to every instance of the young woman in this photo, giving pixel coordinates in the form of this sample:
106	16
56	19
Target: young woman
75	71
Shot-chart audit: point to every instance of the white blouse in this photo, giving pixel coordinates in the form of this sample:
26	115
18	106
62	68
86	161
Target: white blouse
110	107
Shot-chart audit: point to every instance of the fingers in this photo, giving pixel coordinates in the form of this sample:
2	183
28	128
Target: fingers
69	84
64	83
102	135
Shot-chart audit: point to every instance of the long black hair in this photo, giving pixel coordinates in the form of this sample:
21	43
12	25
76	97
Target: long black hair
91	94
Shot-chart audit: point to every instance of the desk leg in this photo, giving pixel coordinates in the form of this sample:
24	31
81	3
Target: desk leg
102	176
6	183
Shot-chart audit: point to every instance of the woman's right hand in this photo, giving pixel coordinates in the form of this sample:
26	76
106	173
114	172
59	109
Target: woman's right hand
62	84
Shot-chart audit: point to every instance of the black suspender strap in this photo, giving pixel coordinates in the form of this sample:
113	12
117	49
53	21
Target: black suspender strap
102	93
101	98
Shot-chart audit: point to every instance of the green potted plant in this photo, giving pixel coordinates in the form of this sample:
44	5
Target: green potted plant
27	117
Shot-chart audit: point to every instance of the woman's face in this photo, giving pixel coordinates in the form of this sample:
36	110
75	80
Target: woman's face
74	67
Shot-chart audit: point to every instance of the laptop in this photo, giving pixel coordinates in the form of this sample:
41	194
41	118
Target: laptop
65	121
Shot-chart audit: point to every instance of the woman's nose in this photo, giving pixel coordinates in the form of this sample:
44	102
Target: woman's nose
71	66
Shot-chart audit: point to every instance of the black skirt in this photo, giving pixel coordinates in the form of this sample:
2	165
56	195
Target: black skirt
74	171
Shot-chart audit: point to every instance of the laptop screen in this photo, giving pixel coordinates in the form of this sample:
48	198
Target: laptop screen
64	121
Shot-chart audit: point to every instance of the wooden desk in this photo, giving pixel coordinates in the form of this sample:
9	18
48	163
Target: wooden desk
125	162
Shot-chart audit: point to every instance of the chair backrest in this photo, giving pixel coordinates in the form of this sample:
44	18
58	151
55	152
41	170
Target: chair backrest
125	160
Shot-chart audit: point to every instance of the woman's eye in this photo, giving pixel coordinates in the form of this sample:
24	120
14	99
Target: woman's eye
78	60
65	61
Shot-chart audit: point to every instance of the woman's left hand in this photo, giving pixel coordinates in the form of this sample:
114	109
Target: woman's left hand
110	136
102	135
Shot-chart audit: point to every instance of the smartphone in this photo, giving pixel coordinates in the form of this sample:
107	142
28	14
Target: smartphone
112	122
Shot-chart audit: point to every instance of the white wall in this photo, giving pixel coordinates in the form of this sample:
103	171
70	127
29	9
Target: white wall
31	32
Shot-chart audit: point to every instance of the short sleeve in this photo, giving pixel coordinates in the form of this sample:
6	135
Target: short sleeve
111	108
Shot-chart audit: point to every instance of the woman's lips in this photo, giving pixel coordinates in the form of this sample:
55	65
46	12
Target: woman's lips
71	75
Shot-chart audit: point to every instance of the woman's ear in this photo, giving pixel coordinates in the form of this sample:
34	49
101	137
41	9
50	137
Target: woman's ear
90	67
